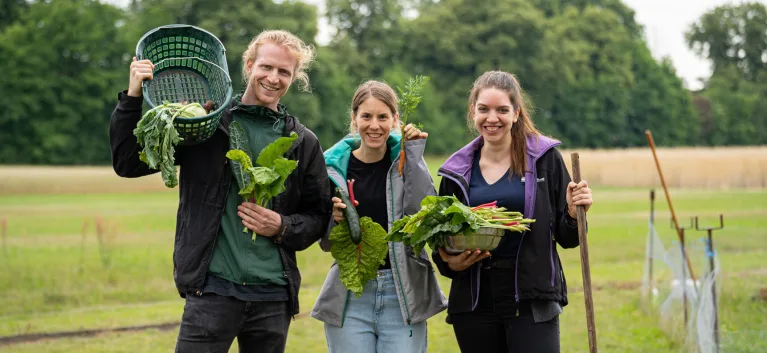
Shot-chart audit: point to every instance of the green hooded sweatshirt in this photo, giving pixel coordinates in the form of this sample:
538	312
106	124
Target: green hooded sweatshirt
236	257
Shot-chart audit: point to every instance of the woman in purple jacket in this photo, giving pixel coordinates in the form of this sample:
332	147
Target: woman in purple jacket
509	299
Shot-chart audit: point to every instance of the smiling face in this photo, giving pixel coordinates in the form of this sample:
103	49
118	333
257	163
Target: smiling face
269	75
494	115
374	121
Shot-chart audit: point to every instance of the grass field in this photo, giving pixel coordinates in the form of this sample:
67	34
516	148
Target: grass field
83	255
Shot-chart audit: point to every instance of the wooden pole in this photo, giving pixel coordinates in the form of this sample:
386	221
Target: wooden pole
668	199
650	258
581	218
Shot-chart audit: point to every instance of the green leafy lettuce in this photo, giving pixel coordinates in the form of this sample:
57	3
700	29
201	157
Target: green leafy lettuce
358	263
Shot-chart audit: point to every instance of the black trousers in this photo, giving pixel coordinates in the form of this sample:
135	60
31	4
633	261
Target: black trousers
211	322
495	326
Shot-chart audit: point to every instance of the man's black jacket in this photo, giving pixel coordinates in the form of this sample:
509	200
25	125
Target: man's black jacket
204	181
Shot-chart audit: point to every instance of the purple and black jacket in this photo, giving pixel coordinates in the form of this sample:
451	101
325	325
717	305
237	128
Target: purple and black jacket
538	274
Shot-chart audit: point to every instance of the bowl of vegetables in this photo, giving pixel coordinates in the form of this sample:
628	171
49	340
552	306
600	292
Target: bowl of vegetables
445	222
484	238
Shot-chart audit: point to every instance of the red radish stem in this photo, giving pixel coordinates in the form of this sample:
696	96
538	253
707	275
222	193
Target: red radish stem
351	191
485	205
511	223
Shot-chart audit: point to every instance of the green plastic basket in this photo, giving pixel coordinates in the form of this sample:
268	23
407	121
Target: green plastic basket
189	65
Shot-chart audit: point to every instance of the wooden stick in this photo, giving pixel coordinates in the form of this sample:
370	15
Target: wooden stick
652	238
679	232
581	218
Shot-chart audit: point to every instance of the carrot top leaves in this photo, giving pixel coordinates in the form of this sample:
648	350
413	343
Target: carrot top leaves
410	97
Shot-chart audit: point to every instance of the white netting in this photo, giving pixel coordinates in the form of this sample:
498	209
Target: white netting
668	287
655	269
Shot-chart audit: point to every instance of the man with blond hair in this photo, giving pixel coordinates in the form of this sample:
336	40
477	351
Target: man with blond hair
234	286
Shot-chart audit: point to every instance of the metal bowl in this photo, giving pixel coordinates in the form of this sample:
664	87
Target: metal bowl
485	238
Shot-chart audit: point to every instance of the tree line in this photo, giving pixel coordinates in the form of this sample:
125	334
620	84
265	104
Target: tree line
584	64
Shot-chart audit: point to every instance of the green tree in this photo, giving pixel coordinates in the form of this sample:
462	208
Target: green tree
589	76
659	102
553	8
733	35
732	105
738	109
455	42
10	10
60	79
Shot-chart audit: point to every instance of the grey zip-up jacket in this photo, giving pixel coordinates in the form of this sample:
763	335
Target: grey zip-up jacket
418	291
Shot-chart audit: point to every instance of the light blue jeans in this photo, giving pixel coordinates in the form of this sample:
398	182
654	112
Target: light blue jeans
374	323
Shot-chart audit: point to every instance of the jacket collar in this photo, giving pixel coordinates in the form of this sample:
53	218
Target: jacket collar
460	162
337	156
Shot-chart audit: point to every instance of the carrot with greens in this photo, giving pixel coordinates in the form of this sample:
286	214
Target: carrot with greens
410	97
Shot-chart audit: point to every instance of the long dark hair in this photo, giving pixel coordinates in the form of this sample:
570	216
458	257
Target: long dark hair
524	126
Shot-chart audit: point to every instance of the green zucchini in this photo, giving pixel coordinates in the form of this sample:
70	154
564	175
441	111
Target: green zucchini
351	216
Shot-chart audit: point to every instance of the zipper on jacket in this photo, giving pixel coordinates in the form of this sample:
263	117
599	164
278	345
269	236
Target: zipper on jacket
346	303
516	270
394	254
551	248
534	179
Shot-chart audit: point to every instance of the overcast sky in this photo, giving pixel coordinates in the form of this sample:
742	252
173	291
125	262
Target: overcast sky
665	22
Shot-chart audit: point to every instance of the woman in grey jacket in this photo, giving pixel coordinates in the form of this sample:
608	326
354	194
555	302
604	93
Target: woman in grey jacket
391	313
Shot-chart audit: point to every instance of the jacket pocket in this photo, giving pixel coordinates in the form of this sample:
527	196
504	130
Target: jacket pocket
422	259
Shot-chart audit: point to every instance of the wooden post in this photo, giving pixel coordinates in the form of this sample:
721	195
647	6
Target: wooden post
652	239
586	270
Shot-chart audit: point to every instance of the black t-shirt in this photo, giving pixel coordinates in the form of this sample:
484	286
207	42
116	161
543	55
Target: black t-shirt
509	192
370	190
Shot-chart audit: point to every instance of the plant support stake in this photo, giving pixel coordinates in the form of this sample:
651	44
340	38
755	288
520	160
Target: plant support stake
650	140
581	218
652	238
684	277
711	265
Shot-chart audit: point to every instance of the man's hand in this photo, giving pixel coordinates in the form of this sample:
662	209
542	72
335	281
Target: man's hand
140	70
260	220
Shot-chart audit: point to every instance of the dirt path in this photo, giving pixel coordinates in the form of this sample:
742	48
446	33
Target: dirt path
36	337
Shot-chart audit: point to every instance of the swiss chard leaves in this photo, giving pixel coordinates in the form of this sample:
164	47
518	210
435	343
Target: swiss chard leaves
358	263
238	141
266	180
